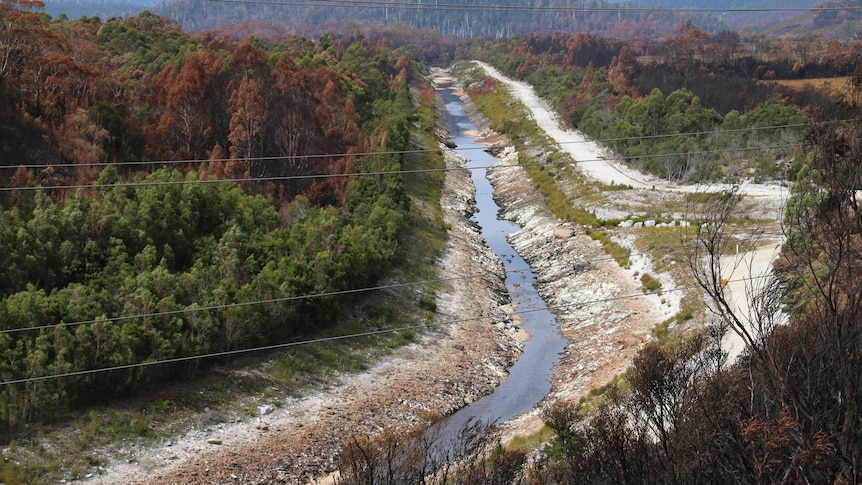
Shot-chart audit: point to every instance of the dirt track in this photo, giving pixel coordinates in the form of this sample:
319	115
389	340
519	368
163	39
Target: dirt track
598	163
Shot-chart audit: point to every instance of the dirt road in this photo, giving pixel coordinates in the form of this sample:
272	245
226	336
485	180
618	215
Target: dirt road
597	163
745	273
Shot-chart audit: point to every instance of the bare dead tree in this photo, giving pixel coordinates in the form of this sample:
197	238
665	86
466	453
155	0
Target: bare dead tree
419	456
805	377
712	258
825	248
710	252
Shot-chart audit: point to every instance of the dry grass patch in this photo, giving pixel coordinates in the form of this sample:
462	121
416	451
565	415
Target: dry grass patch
836	87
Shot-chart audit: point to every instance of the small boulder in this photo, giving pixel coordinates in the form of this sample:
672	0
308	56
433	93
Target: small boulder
265	409
562	232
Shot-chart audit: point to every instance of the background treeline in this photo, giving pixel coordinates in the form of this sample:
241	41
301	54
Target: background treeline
832	19
656	102
457	18
107	261
507	18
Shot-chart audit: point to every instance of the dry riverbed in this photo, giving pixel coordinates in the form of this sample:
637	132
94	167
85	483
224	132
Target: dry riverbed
599	306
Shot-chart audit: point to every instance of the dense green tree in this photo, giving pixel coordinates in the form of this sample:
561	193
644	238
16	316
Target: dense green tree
117	274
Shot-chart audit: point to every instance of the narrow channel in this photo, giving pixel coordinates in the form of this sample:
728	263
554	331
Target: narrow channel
529	379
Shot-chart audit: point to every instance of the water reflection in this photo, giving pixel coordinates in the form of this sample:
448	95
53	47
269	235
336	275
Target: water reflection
529	379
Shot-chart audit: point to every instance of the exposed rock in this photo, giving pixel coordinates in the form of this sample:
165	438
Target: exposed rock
563	232
265	409
495	149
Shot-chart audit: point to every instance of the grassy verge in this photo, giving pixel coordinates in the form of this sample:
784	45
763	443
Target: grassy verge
666	247
86	440
532	441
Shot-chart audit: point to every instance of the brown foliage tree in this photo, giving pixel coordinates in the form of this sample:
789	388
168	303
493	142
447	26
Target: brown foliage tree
191	101
247	120
249	60
621	72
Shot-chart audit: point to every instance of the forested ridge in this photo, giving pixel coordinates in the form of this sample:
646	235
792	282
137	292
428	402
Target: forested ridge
501	19
109	259
456	18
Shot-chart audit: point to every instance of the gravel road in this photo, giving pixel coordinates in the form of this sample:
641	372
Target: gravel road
597	163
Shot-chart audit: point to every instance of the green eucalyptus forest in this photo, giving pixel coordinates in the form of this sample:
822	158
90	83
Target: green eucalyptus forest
170	195
108	261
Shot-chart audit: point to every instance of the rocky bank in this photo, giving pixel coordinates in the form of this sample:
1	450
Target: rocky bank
599	306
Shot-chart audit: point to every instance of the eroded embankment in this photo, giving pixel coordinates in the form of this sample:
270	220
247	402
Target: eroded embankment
599	306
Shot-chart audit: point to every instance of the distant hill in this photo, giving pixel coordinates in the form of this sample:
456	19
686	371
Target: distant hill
460	18
827	23
757	16
487	18
103	9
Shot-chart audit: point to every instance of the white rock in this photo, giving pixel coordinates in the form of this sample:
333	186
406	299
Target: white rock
265	409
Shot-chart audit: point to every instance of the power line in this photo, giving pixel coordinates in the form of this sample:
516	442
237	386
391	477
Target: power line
339	337
298	297
245	303
389	172
392	152
529	9
206	356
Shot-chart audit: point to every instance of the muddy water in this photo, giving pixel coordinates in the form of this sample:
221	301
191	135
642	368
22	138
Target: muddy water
529	379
